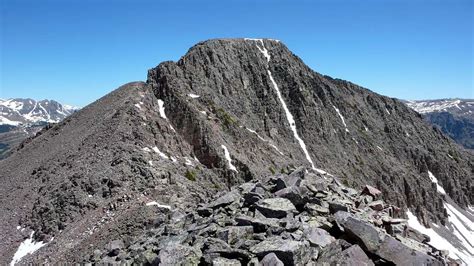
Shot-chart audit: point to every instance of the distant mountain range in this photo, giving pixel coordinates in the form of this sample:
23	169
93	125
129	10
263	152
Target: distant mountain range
455	117
23	118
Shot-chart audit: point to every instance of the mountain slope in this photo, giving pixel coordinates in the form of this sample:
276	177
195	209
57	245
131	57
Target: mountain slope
455	117
227	112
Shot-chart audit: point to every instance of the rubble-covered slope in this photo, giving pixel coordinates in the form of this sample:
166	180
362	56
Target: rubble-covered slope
228	112
285	219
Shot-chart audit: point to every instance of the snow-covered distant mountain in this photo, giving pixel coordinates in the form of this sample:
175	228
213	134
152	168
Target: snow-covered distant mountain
455	117
23	118
15	112
454	106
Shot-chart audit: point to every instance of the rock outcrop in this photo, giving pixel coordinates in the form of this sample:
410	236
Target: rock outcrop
360	235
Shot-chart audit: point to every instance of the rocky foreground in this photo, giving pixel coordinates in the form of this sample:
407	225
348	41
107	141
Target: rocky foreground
286	219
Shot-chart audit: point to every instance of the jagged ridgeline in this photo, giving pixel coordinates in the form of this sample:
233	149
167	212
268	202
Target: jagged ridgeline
228	112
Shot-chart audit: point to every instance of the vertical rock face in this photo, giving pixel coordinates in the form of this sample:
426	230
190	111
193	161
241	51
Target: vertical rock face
348	131
229	111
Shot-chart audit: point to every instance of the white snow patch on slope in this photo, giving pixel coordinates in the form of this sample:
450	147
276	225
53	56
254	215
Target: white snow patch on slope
161	109
291	120
5	121
188	161
289	116
194	96
227	156
435	180
26	247
438	241
138	106
264	140
463	228
154	203
162	155
342	118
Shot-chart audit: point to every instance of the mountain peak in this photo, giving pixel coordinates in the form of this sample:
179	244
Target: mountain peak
229	112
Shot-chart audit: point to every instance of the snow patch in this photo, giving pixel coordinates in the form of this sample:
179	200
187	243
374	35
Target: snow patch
433	179
162	155
378	147
26	247
187	161
146	149
463	228
227	156
438	241
342	118
5	121
291	120
194	96
154	203
264	140
161	109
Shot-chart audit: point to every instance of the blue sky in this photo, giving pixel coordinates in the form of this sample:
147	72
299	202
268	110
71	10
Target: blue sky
76	51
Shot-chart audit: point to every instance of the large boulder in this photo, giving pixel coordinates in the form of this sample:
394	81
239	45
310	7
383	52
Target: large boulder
288	251
381	244
317	236
225	200
271	260
275	207
232	234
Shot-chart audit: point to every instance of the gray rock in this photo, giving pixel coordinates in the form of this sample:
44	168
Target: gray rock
369	190
275	207
178	254
114	247
284	181
353	255
288	251
315	209
335	206
225	200
271	260
317	236
377	205
232	234
225	262
259	224
291	193
395	251
368	235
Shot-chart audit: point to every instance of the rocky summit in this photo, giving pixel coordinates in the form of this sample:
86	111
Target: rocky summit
239	153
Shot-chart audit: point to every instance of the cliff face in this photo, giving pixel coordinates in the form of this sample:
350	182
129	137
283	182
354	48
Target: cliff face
227	112
341	128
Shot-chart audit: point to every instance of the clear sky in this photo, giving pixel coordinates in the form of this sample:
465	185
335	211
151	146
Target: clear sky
76	51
